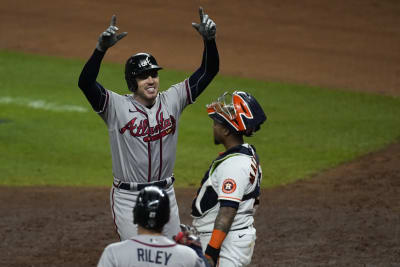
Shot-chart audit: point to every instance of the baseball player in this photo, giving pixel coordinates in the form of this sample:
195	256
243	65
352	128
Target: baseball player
150	247
143	125
224	206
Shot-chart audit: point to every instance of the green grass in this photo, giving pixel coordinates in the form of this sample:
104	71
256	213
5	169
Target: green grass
309	129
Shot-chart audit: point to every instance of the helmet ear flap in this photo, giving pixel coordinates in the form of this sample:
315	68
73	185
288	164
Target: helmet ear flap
135	215
132	83
138	212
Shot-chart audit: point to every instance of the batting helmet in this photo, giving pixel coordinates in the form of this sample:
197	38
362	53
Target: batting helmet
239	111
136	65
152	208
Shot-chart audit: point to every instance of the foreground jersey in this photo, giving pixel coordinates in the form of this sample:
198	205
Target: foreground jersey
147	251
234	177
143	140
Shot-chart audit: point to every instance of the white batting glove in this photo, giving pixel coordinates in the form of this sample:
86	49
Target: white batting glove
109	37
207	27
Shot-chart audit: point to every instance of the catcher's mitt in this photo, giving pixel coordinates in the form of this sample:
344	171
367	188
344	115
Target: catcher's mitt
188	236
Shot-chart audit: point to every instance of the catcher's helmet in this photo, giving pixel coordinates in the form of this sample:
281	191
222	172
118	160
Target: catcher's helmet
239	111
136	65
152	208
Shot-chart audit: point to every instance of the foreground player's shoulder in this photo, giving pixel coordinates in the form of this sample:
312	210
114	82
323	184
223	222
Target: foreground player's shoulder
117	246
187	256
110	256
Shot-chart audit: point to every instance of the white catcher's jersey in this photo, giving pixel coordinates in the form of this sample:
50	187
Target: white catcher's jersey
148	251
143	140
234	176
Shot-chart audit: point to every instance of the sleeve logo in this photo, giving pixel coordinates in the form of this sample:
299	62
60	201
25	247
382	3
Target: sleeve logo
228	186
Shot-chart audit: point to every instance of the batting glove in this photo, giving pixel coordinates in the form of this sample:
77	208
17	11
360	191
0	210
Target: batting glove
207	27
109	37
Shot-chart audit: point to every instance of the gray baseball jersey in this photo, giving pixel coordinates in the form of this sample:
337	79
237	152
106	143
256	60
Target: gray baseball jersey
148	251
143	148
143	140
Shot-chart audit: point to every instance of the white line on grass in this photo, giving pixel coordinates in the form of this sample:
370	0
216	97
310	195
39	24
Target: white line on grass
40	104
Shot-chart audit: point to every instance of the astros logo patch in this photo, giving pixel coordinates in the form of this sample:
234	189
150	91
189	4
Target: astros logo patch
229	186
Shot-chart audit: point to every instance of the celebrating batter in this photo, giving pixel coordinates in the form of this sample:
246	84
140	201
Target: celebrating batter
224	205
143	125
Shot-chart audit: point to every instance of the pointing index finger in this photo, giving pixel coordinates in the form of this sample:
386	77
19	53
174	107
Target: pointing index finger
113	20
201	13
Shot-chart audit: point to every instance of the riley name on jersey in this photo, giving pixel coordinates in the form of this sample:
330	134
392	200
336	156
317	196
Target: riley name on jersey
152	256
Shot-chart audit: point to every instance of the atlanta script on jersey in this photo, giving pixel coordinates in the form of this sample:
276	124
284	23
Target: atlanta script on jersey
143	140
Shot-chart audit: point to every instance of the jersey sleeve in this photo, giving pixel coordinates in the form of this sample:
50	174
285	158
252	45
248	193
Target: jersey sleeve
178	96
232	179
108	112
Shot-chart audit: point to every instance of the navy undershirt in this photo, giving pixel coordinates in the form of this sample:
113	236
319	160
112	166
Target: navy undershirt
198	81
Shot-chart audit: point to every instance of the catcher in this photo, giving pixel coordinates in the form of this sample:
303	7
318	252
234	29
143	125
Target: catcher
225	203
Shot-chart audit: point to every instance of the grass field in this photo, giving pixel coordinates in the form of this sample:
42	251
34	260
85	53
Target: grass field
50	136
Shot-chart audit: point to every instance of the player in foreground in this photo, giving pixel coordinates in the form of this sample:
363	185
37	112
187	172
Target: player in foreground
150	247
225	203
143	126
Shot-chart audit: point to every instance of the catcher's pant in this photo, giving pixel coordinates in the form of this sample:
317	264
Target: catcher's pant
237	248
122	203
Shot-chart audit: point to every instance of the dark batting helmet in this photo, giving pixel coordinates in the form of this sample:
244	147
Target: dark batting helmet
239	111
152	208
136	65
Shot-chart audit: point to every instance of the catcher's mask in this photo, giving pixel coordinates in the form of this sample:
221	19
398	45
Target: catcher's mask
240	112
138	64
152	208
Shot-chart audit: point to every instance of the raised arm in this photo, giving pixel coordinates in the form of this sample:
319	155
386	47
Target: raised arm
202	77
94	92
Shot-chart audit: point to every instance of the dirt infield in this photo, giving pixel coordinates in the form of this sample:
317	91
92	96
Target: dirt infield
348	216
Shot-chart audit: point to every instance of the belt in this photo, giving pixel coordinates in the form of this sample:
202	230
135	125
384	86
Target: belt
241	228
231	230
133	186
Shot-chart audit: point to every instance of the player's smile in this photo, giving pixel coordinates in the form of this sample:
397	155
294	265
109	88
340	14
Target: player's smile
151	90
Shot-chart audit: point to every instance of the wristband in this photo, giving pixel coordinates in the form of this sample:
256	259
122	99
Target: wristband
212	253
214	246
217	238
